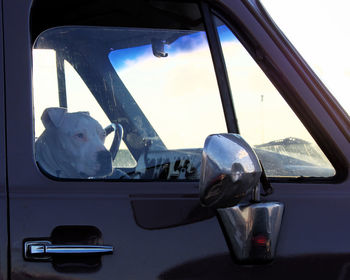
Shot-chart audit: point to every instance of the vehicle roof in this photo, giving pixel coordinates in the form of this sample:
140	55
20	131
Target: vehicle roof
159	14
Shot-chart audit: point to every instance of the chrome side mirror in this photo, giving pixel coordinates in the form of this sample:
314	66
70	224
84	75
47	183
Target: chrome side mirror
231	171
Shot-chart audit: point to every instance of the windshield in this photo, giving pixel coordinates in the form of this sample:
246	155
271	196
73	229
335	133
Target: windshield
174	84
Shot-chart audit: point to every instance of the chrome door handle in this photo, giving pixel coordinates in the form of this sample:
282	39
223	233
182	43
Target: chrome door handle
44	250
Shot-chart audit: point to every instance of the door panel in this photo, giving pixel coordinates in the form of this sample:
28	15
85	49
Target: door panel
112	215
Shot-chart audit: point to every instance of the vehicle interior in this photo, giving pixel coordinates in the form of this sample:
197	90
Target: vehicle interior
87	50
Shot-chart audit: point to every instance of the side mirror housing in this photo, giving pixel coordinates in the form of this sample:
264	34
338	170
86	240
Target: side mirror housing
230	170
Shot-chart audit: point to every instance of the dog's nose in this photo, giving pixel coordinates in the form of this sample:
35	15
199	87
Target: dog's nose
104	158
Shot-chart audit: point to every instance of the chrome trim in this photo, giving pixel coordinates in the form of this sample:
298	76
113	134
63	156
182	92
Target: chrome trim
78	249
230	170
44	250
252	230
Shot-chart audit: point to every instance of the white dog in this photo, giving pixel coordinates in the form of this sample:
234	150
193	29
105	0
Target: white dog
72	145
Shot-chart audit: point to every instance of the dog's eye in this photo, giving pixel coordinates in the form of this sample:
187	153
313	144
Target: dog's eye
80	135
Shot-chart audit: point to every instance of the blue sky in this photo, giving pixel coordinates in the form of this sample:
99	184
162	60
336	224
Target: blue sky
187	43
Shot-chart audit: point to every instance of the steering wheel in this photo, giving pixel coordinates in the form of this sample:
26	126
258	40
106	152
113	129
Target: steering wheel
118	136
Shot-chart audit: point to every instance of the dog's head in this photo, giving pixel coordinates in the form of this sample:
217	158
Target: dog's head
78	142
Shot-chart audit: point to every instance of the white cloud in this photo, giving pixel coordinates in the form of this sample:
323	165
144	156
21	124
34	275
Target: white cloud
179	96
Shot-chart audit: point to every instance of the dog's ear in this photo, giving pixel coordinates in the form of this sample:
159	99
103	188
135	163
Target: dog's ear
53	117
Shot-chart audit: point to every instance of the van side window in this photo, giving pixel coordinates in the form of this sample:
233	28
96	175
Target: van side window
265	120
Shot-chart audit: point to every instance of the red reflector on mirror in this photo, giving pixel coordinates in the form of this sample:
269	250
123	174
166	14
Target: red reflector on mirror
260	240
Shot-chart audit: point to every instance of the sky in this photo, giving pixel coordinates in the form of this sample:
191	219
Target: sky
320	30
183	89
178	93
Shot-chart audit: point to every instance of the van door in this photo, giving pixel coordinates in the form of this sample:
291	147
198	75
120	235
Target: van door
161	74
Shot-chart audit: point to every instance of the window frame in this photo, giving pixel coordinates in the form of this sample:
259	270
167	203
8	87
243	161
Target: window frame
252	46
